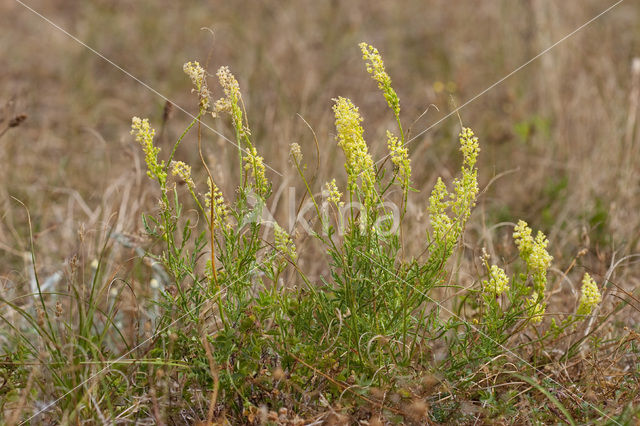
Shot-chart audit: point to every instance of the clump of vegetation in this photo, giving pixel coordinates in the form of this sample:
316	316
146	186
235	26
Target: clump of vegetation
244	334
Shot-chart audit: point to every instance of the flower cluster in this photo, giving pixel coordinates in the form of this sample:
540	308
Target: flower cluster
590	296
466	186
534	253
295	154
197	75
144	134
448	228
536	308
375	67
330	191
284	244
400	158
231	102
220	210
441	223
255	164
498	281
183	170
350	138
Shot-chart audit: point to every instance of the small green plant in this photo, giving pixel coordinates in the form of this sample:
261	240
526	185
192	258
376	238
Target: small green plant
370	318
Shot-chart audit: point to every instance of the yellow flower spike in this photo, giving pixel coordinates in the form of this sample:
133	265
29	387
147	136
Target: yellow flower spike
359	163
400	159
295	154
534	253
284	244
197	75
144	134
183	171
590	296
440	220
255	164
498	281
231	102
375	67
220	210
469	146
332	193
522	237
536	308
449	212
466	186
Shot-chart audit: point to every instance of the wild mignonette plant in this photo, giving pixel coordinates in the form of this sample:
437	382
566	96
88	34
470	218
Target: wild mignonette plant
374	315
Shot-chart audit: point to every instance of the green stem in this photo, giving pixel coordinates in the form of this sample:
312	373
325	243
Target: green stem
175	146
